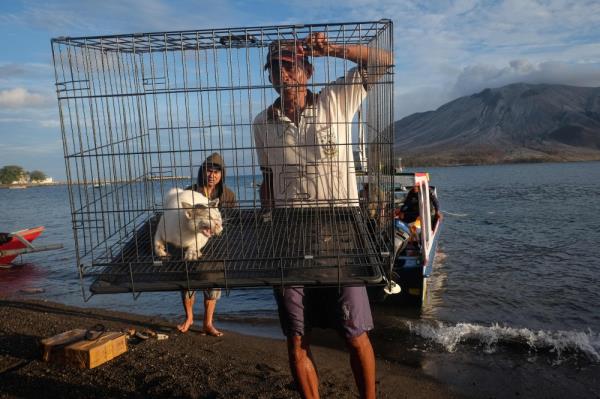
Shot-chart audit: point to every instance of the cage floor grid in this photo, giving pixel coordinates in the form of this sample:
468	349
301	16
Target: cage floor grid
289	246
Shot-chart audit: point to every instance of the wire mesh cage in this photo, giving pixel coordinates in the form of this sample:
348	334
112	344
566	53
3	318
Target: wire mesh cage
301	120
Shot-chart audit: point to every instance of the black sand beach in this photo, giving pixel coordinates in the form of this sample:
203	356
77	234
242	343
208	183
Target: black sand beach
184	366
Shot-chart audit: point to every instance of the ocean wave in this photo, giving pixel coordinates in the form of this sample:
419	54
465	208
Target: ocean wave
460	215
490	337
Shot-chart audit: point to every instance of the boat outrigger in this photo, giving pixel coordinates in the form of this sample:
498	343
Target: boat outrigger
21	242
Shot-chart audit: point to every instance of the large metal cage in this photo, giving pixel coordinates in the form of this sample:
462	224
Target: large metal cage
141	112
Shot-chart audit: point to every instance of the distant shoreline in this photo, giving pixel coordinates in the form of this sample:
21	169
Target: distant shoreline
30	185
405	163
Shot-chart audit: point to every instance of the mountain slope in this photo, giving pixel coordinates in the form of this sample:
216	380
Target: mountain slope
515	123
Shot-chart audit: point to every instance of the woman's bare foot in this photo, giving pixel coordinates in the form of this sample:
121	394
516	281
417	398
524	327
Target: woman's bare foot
212	331
185	326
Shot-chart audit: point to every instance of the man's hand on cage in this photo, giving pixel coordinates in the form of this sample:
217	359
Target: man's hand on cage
317	45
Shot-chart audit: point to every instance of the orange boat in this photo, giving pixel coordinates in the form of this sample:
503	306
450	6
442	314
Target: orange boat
20	242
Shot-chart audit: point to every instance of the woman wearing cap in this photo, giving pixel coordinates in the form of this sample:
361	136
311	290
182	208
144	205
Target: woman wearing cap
210	184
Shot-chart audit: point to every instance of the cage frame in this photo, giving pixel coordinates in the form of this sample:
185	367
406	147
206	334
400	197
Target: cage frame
192	40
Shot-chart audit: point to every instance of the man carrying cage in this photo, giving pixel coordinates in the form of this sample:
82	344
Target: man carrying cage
304	147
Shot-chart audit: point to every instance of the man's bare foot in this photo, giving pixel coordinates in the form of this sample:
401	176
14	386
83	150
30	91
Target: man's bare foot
185	326
212	331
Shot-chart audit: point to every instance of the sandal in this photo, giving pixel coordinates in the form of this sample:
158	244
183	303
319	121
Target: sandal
150	333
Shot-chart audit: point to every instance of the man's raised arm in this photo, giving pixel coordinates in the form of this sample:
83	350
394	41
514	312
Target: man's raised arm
377	60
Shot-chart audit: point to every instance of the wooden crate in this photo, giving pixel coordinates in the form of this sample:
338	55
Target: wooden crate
71	348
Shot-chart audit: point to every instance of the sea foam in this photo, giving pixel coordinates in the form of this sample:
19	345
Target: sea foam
490	337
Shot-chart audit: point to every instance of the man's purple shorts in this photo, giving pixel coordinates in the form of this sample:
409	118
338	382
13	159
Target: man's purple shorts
344	309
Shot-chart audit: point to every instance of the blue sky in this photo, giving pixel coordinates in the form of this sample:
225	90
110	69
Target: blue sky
443	49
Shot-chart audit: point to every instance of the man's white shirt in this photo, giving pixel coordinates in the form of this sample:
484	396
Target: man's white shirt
312	163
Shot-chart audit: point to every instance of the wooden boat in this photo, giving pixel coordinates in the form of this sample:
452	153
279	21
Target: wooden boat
415	248
20	242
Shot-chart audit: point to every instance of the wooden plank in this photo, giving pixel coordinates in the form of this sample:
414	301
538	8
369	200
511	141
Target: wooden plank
53	347
90	354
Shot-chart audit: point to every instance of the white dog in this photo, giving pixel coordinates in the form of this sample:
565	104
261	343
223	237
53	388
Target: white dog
188	221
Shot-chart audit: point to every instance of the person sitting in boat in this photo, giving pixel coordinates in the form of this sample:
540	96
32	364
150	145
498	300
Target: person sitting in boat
4	238
409	211
210	183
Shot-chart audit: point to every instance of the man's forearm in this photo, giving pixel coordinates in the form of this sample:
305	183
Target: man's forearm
363	56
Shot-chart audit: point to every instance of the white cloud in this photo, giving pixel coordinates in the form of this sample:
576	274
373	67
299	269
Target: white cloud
477	77
474	78
26	74
50	123
54	147
15	120
29	69
470	47
20	97
11	70
88	17
443	49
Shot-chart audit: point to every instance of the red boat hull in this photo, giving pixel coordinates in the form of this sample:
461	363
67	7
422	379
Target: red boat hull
14	243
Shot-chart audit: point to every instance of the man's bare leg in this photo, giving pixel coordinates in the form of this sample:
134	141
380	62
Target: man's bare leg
187	298
209	311
303	367
362	360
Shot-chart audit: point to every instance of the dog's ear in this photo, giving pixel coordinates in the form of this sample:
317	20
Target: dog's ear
214	203
189	210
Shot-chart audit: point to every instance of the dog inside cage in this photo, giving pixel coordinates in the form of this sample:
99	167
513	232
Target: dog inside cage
238	157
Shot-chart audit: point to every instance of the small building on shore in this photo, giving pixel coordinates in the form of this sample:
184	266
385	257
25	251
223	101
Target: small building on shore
47	180
24	179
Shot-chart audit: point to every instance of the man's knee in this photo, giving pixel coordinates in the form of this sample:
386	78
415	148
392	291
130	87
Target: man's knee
186	294
212	294
298	347
360	342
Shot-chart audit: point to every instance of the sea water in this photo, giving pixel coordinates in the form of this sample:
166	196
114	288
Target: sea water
517	268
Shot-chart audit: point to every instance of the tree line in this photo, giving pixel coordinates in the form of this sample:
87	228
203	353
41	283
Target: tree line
12	173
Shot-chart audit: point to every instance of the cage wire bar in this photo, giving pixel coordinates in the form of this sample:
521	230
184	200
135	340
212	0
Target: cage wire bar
141	112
